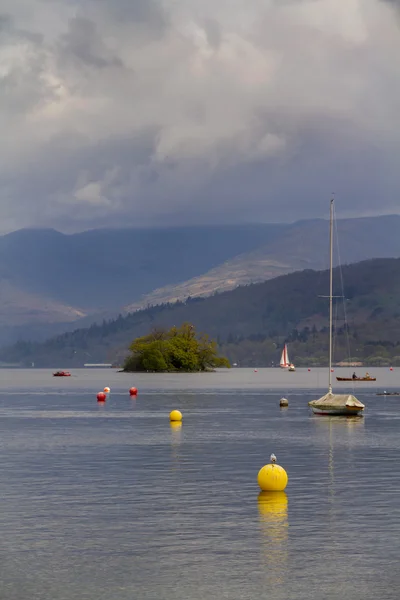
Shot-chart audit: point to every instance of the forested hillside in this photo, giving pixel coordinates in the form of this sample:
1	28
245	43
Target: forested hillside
251	323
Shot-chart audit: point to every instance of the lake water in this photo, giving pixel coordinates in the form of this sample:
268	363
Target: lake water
113	502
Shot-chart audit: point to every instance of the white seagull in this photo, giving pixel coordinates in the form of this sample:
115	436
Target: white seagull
272	458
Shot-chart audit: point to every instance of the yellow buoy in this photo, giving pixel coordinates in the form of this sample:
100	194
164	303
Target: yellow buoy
272	478
175	415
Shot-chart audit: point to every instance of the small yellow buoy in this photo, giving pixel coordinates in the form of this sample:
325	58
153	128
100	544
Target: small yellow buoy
272	478
283	402
175	415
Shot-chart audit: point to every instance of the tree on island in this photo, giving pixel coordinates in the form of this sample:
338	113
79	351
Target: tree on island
178	349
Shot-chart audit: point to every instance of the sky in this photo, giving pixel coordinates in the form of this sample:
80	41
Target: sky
178	112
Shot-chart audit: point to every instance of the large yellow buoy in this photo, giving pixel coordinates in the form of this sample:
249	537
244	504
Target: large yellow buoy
175	415
272	478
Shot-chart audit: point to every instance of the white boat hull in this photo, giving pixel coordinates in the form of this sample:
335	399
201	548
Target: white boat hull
347	411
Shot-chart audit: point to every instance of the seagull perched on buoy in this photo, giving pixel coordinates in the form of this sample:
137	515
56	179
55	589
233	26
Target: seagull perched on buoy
272	458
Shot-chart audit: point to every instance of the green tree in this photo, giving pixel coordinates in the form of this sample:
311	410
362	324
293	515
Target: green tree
153	360
178	349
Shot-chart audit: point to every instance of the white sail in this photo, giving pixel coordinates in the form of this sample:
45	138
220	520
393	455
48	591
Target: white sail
284	363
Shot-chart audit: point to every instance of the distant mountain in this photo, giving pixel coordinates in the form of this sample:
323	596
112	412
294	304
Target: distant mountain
51	282
302	245
91	275
104	269
252	322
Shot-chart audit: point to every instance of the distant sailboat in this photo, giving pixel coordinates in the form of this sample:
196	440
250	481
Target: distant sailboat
334	404
284	362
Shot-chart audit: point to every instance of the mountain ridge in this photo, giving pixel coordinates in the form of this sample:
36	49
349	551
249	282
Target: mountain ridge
291	307
99	273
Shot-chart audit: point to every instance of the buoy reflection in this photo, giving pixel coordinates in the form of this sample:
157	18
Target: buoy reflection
274	524
176	428
176	439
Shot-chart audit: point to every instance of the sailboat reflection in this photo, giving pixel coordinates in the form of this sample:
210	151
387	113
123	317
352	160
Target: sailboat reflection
273	513
342	431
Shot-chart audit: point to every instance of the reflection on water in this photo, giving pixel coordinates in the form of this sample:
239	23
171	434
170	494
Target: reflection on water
109	503
339	432
350	422
176	440
176	427
273	516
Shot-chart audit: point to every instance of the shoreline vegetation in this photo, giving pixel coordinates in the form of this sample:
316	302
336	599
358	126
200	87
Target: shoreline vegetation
177	350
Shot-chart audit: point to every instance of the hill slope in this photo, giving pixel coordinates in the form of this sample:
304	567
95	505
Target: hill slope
302	245
50	280
285	308
104	269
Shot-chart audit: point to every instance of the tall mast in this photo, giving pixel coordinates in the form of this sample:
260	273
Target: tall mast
330	293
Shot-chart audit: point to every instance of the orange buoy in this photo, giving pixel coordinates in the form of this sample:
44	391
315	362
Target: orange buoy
101	397
106	390
133	391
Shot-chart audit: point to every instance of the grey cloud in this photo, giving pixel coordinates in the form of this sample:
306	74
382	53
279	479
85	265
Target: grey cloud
83	43
213	32
139	11
118	113
143	13
22	86
5	23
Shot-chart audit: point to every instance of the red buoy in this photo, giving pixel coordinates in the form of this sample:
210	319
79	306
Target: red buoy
332	370
101	397
133	391
309	370
391	368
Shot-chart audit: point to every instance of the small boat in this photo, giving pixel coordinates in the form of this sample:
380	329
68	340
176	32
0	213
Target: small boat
62	374
284	362
330	403
356	378
389	394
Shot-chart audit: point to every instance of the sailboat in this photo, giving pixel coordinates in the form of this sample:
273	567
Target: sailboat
284	362
334	404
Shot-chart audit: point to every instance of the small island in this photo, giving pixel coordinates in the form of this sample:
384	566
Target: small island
177	350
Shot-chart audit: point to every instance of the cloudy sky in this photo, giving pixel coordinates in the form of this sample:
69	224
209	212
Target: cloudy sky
158	112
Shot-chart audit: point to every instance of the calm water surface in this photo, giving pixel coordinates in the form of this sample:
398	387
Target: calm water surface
112	502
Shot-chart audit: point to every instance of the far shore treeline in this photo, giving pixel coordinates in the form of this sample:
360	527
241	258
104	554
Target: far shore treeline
177	350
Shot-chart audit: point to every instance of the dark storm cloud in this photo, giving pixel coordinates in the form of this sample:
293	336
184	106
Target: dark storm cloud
149	112
149	12
83	43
